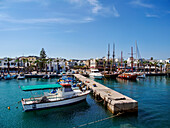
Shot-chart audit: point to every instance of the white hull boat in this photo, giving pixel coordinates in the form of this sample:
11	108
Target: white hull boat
53	103
21	77
63	96
95	74
143	76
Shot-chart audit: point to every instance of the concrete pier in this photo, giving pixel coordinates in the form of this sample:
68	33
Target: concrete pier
114	101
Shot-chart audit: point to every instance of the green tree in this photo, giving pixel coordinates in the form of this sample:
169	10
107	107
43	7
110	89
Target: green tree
17	61
97	63
42	59
144	64
43	54
155	63
119	63
24	61
104	65
45	61
36	65
150	64
161	64
8	63
125	62
27	61
30	66
57	65
50	62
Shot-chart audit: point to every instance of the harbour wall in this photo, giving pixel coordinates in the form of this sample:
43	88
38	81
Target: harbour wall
114	101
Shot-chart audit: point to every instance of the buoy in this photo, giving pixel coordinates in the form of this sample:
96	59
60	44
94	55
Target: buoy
8	108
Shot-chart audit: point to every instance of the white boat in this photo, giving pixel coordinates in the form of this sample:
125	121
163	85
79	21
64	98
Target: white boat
46	76
141	76
96	74
21	77
63	96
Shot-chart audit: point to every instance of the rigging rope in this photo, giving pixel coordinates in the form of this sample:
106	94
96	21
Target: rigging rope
99	120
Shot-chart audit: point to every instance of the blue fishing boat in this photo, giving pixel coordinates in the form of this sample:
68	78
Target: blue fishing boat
14	76
7	77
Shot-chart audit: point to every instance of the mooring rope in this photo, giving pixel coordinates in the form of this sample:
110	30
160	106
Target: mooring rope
98	120
11	105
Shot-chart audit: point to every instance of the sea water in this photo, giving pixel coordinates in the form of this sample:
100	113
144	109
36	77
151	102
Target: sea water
152	94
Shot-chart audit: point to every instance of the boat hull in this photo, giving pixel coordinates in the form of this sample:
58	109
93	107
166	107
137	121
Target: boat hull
36	106
21	78
96	77
128	77
142	76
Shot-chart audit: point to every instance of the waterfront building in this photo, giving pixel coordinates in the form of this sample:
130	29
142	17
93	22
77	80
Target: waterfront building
12	64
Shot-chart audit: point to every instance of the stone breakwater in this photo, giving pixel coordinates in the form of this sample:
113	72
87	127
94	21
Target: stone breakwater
114	101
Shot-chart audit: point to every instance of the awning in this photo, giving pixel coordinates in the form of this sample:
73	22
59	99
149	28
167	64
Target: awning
40	87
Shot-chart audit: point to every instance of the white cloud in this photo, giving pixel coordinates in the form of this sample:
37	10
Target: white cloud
152	16
96	6
141	4
6	18
115	12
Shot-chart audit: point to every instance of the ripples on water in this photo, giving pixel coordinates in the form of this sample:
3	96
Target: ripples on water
152	94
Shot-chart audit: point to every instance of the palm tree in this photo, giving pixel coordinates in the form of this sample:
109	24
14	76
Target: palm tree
161	66
155	63
97	62
125	62
45	62
30	67
37	63
57	65
119	63
150	64
24	61
17	61
8	64
144	64
50	62
104	65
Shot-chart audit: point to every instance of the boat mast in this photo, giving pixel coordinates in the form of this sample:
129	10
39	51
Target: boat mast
136	50
113	55
108	55
132	58
121	58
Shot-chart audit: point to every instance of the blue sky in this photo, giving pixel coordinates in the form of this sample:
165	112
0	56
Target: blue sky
83	28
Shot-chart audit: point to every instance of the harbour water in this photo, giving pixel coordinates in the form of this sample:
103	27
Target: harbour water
152	94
